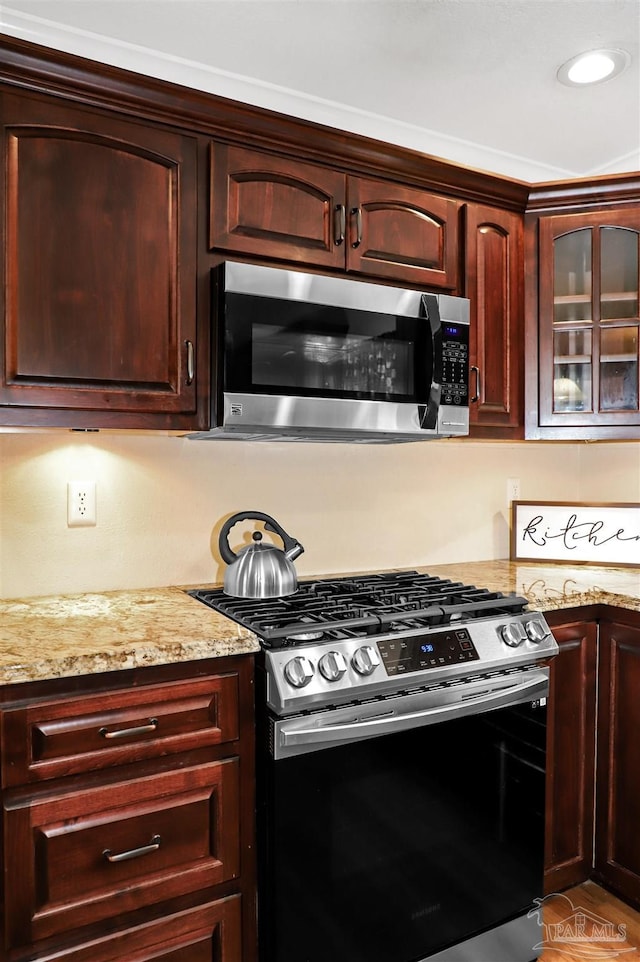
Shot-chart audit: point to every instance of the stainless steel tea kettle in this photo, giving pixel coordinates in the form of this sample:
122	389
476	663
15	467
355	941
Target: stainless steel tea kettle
259	570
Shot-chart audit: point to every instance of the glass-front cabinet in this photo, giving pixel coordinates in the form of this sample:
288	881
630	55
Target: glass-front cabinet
589	317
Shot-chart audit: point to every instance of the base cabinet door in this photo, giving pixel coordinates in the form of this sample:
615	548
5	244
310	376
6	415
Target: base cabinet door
618	803
207	933
571	757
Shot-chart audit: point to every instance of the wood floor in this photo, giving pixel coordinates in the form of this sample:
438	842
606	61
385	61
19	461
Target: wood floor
575	927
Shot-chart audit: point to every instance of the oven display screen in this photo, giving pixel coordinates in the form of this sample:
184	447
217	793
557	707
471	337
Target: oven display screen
402	655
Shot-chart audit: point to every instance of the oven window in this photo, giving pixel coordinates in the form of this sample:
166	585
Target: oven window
392	849
276	346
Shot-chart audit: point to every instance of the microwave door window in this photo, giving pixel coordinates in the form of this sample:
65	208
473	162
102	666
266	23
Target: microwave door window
311	350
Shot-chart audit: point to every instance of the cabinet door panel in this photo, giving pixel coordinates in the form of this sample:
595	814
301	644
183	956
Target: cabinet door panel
48	739
208	933
402	233
276	207
588	325
618	809
82	857
571	757
494	264
100	261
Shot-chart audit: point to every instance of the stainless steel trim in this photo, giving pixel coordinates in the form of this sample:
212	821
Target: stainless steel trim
299	735
264	416
486	635
336	291
515	941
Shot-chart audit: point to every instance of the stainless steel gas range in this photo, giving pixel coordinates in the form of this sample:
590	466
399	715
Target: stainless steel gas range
401	762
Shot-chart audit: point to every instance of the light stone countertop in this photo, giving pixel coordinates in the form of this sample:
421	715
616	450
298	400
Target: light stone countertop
65	635
62	636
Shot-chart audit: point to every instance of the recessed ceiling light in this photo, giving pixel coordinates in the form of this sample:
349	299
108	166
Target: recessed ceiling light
593	67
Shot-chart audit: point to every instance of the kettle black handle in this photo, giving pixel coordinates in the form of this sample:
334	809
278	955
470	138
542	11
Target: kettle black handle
270	524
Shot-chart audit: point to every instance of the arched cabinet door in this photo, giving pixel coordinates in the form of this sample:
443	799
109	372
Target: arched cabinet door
403	234
588	377
493	284
275	207
100	312
266	205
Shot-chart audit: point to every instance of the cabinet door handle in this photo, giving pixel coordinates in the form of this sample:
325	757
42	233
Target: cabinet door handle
357	213
190	362
130	732
153	846
476	396
339	224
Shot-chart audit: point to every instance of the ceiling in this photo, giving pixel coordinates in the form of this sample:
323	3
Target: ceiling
472	81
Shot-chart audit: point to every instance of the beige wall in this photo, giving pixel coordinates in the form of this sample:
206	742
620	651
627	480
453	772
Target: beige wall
161	501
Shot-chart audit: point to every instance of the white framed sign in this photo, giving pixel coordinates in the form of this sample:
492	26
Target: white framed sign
583	533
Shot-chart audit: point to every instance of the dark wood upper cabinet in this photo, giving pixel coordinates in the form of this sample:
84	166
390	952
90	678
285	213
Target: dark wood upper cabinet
493	283
275	207
100	262
583	321
402	234
264	205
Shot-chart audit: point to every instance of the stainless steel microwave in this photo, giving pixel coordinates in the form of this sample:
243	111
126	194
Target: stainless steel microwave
301	356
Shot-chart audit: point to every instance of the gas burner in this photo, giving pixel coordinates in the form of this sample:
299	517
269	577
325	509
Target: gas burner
305	636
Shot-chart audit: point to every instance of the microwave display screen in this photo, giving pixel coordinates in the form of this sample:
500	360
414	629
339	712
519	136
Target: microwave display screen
277	346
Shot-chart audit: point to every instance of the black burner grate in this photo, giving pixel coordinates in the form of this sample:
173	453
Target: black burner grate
350	607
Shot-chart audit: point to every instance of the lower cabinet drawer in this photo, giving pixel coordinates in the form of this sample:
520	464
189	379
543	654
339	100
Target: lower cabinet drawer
208	933
73	859
53	738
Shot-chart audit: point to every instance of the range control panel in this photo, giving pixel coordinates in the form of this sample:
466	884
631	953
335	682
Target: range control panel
434	650
455	364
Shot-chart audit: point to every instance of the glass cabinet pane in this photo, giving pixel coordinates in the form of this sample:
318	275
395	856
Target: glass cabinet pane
572	367
619	369
572	277
618	273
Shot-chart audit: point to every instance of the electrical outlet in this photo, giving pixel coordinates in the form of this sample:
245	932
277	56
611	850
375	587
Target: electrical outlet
513	490
81	504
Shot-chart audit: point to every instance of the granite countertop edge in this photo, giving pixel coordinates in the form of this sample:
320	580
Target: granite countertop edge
58	636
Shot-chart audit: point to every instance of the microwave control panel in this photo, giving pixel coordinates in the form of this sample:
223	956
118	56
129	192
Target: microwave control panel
455	364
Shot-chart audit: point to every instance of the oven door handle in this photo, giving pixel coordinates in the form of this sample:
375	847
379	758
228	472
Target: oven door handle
297	736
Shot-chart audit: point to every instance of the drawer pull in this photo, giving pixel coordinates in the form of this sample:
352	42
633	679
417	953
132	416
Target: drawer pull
130	732
153	846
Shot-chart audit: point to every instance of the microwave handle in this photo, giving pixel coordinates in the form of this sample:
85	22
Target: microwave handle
476	396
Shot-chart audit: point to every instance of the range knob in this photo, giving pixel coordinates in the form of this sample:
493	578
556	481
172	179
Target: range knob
365	660
536	630
332	665
299	671
513	634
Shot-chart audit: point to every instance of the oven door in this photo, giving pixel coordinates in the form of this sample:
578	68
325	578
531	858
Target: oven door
422	843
